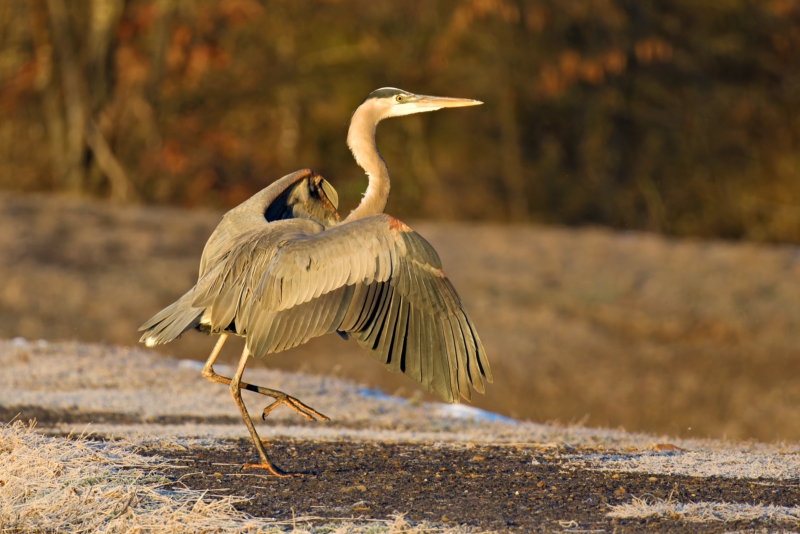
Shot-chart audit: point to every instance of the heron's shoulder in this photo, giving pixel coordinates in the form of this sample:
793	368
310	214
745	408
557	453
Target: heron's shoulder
396	224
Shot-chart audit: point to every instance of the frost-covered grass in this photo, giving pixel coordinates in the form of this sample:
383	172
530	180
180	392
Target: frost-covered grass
748	464
701	512
75	484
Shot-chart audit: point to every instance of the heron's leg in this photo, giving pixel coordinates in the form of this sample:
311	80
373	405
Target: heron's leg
208	369
280	397
236	393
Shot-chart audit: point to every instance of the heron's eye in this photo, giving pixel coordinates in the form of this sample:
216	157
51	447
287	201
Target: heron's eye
399	98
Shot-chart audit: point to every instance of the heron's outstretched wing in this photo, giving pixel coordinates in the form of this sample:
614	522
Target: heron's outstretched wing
374	278
301	195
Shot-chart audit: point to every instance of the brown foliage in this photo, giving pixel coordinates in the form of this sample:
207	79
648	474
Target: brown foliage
674	116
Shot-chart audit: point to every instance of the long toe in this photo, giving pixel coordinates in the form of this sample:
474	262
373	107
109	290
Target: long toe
306	411
269	408
274	469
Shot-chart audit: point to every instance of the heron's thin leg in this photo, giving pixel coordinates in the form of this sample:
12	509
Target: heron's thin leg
236	393
208	369
280	397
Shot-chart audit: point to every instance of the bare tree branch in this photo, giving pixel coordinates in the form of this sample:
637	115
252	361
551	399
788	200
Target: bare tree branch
43	83
71	85
105	16
121	187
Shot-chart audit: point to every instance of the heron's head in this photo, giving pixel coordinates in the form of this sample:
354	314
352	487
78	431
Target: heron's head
390	102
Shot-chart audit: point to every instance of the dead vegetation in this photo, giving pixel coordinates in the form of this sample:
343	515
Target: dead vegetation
704	512
76	484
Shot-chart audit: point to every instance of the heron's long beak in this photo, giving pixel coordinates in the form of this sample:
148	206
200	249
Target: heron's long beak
439	102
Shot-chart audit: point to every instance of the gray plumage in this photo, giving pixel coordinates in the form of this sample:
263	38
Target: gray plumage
281	282
282	268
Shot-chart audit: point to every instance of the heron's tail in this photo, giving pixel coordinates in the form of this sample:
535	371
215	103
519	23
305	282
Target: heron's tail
172	321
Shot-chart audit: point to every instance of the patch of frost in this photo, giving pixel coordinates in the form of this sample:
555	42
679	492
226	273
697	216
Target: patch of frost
461	411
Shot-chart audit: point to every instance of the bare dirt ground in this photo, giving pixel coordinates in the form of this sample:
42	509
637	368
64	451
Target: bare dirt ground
492	488
688	338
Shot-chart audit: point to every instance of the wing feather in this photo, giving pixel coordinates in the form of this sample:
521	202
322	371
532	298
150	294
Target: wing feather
224	307
282	320
354	308
463	356
414	354
369	307
321	285
385	343
259	329
471	362
448	337
293	318
376	326
344	305
398	363
313	319
300	322
338	278
483	362
328	315
440	361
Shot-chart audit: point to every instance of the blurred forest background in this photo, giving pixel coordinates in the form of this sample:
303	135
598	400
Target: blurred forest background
677	116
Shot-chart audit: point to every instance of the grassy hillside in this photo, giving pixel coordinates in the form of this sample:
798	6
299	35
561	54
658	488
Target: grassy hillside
689	338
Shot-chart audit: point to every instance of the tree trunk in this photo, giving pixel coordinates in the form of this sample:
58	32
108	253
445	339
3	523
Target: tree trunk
75	111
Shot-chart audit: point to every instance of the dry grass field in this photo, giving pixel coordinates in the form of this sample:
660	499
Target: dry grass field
689	338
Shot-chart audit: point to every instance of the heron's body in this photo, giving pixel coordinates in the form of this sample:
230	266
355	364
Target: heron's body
281	268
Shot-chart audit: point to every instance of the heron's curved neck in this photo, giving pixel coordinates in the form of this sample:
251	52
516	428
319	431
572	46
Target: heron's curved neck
361	140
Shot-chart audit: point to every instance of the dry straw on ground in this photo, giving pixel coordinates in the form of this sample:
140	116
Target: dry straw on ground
704	462
78	484
705	511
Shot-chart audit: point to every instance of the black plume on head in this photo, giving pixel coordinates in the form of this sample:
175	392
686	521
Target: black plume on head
386	92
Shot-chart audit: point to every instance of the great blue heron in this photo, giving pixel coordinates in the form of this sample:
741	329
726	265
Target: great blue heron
281	268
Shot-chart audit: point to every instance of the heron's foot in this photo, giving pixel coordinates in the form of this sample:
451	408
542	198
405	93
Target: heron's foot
274	469
303	409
